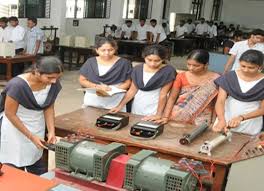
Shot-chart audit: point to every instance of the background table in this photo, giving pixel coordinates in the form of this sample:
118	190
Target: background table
9	61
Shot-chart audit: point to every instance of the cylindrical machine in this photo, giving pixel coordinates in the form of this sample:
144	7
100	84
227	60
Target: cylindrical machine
188	138
208	146
150	174
82	156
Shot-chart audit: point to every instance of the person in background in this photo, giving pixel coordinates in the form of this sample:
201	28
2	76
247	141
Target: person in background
228	44
181	30
158	34
6	32
34	38
221	29
151	83
142	30
28	109
166	28
193	92
212	30
102	71
230	30
255	41
17	35
202	28
240	101
128	30
190	26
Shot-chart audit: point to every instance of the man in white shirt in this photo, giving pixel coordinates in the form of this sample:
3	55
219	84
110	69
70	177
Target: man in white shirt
181	30
142	30
255	42
212	29
128	30
158	33
202	28
5	32
190	26
17	35
34	38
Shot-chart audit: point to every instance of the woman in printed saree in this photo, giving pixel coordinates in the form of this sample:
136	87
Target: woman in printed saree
240	102
192	96
28	108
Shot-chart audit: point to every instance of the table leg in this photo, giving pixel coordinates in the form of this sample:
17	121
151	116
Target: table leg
8	71
70	59
219	179
62	54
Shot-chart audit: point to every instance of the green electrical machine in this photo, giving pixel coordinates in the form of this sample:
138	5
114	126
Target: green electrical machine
143	171
86	159
146	172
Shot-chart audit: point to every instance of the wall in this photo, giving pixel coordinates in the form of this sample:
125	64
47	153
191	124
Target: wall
180	6
247	13
57	17
91	27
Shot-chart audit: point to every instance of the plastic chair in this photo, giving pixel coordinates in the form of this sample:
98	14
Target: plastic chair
217	62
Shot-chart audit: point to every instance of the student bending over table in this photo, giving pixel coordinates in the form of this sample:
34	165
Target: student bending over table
29	107
102	71
151	83
240	102
192	96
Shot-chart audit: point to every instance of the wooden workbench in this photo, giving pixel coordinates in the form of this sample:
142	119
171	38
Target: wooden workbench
167	145
9	61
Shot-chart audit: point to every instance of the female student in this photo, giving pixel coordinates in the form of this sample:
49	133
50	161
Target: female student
240	102
151	83
28	108
102	71
193	92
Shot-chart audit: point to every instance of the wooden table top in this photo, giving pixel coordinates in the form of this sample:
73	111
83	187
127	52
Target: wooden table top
83	120
18	58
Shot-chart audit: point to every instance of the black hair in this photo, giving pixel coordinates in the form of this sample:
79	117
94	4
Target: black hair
238	34
4	19
257	32
252	56
156	49
106	40
142	19
128	21
199	55
48	65
33	19
13	19
153	20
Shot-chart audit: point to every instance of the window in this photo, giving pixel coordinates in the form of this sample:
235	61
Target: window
166	9
8	8
88	8
197	8
135	9
216	9
34	8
